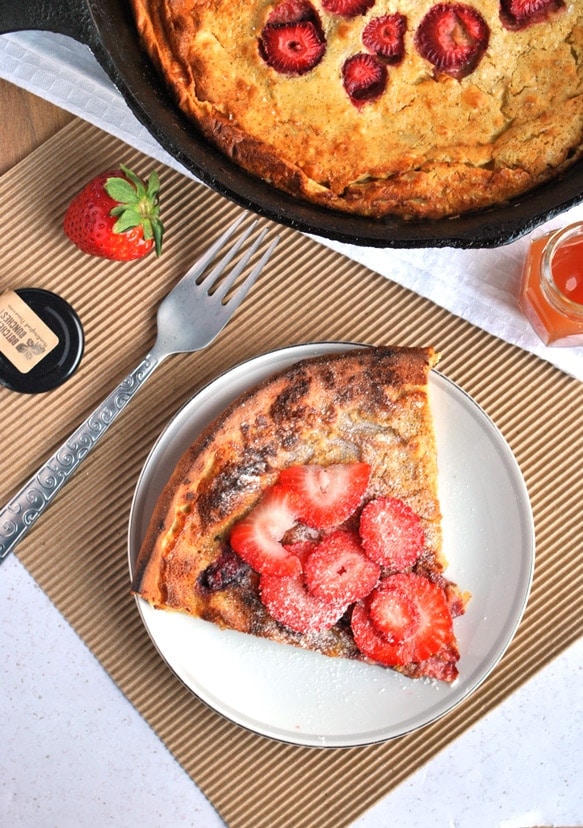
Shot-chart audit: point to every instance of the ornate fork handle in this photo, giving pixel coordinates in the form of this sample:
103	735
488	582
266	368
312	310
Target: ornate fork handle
28	504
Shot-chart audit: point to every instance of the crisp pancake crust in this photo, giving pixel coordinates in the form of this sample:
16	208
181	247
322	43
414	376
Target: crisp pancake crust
431	145
367	404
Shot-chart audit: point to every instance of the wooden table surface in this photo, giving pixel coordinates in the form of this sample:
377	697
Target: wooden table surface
27	121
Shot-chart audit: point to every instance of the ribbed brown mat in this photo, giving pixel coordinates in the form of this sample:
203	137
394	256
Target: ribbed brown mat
77	551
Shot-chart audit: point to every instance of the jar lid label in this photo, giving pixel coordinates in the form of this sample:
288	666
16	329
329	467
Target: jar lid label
24	338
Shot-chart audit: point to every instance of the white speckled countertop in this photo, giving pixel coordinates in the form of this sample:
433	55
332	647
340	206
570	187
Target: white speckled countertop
76	753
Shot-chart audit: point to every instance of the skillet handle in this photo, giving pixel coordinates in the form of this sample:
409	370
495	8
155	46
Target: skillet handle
68	17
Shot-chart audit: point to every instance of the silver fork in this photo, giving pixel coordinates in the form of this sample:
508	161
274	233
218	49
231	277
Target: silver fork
189	318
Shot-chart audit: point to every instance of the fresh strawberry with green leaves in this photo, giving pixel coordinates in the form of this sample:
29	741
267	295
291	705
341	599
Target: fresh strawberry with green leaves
116	216
391	533
326	496
290	603
338	570
405	620
257	537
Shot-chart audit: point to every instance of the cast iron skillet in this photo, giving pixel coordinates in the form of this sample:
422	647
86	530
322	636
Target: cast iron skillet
106	26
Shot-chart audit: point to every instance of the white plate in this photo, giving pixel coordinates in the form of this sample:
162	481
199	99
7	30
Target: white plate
308	699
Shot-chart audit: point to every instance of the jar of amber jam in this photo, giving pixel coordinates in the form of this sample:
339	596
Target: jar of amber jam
551	295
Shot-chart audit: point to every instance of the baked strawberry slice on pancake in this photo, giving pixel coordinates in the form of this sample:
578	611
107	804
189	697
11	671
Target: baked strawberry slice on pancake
385	36
292	48
348	8
519	14
364	78
453	37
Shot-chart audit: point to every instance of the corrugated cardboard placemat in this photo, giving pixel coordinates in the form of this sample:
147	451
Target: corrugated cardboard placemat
77	551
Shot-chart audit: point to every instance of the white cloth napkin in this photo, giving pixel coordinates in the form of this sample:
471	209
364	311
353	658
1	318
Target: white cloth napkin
480	286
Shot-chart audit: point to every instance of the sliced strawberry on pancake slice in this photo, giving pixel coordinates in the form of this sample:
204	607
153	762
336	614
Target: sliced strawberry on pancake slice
301	548
257	537
394	614
326	496
391	533
518	14
453	37
385	36
289	602
339	571
405	620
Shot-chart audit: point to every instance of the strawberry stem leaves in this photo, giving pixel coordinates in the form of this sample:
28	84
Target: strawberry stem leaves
138	204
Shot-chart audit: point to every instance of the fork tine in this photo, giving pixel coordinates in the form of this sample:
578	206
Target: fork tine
219	268
235	300
200	265
230	280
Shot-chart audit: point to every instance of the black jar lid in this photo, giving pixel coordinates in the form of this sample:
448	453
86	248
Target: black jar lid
62	360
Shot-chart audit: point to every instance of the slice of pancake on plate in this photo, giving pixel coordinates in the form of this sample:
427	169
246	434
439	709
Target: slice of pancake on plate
308	513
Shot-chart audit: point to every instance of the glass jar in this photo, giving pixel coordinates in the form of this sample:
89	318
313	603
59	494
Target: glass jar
551	294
